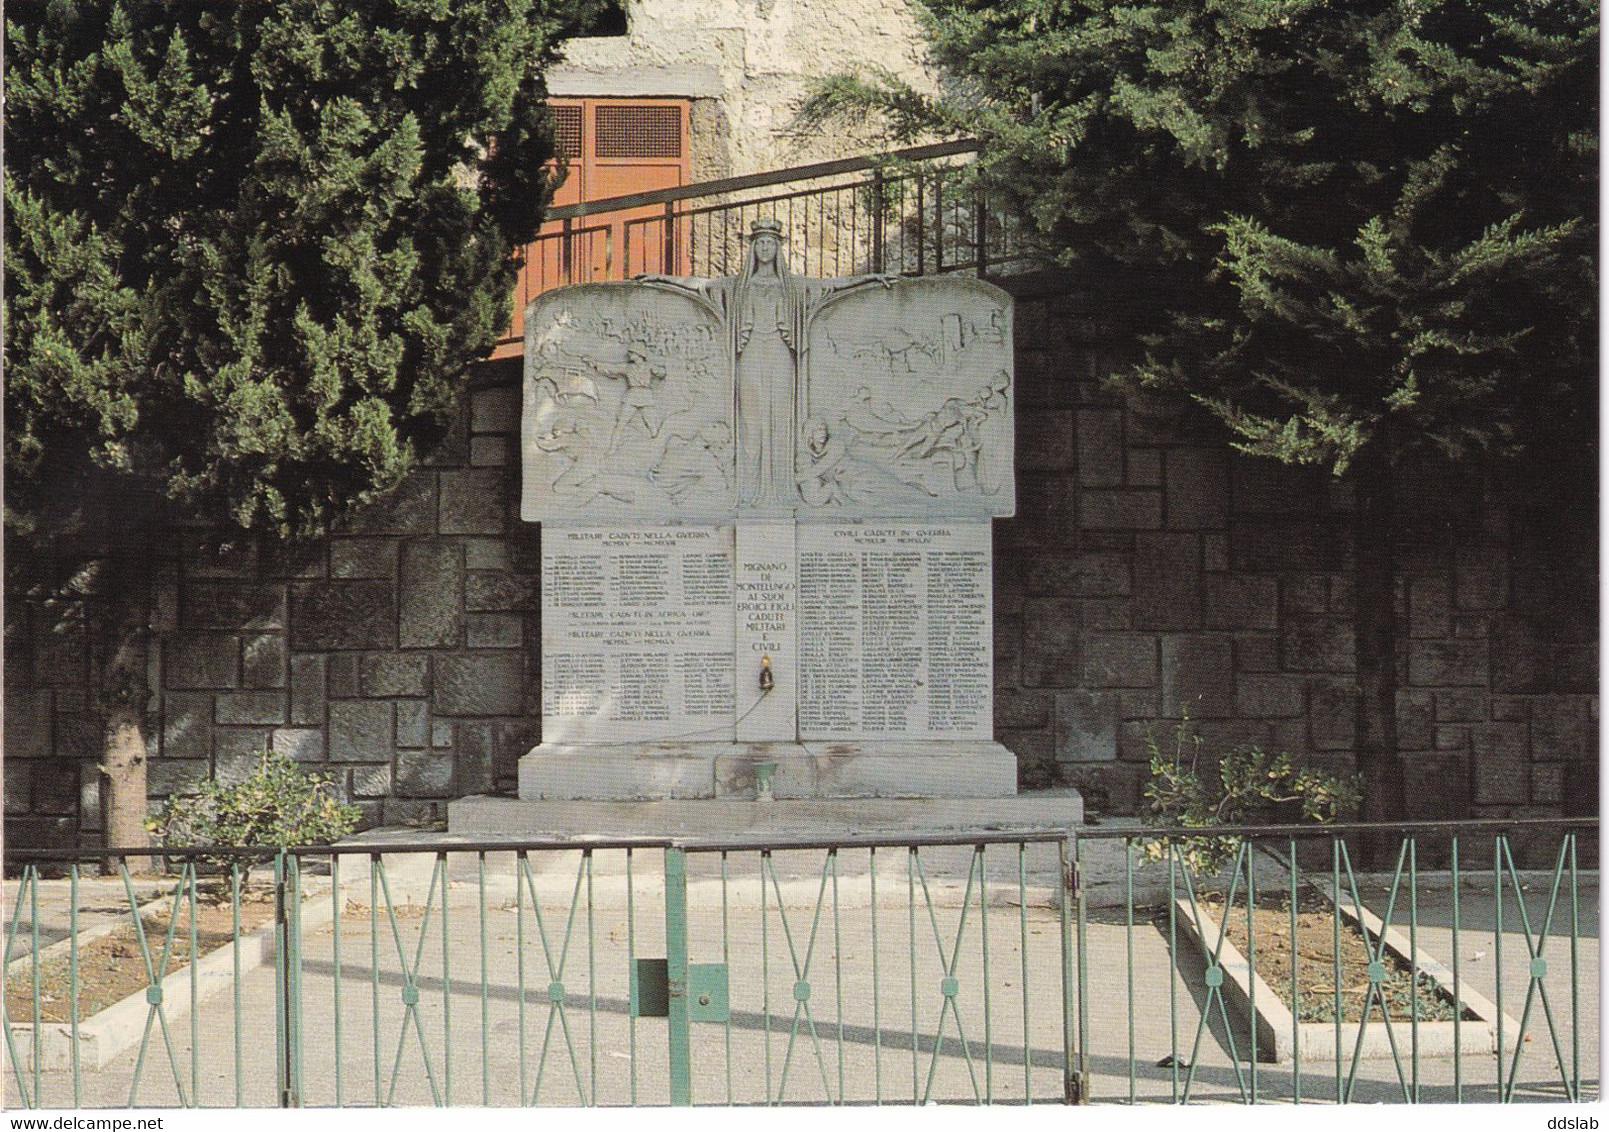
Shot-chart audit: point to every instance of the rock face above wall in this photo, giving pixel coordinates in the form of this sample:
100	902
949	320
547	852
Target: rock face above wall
1148	572
750	60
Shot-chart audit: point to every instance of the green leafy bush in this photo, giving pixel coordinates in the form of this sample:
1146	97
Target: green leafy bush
1248	786
276	805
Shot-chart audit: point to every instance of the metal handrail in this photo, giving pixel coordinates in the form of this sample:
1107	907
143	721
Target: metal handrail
760	180
854	841
341	849
1333	829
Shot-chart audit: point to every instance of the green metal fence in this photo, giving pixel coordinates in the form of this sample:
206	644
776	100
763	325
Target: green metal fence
1443	962
1450	962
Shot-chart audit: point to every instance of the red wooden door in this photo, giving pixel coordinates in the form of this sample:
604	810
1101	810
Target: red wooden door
614	147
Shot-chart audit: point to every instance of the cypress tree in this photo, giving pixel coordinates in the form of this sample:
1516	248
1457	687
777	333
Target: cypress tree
1358	233
250	251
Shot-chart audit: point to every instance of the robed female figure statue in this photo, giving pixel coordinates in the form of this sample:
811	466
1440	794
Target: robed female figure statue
765	309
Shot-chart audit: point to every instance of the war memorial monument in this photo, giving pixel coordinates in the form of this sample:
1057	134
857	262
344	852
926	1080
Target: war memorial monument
766	560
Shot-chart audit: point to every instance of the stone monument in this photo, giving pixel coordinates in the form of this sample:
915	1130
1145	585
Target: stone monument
766	558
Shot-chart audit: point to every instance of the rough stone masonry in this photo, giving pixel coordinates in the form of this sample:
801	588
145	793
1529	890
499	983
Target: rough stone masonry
1148	571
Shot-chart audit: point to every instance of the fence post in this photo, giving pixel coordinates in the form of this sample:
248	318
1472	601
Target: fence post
981	216
1073	1078
284	1015
921	230
878	204
680	1043
669	264
1081	933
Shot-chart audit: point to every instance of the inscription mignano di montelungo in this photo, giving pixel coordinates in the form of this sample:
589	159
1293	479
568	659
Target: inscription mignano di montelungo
765	504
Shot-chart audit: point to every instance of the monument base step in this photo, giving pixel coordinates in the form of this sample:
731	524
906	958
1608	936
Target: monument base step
488	817
658	771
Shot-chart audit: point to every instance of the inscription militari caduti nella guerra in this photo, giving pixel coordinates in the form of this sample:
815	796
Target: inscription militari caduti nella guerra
766	561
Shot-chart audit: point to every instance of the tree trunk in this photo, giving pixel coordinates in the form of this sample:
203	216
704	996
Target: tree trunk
1375	629
122	767
123	784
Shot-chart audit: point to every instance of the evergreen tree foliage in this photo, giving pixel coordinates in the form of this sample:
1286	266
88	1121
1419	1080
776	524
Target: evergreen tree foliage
1360	222
1357	232
250	249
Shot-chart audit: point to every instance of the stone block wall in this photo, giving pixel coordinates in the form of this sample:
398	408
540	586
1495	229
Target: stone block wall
1150	573
400	657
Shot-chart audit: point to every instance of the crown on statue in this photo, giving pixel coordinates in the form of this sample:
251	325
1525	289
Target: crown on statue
765	228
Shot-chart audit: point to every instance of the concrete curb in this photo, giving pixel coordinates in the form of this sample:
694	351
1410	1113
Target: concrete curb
104	927
120	1027
1280	1037
409	884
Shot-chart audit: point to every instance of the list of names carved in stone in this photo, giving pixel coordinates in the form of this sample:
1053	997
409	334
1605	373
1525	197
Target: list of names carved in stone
636	633
894	631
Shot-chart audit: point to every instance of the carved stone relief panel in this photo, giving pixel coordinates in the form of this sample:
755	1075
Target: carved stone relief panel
768	395
628	407
907	407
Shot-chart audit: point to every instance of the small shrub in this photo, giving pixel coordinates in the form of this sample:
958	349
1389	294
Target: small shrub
276	805
1250	786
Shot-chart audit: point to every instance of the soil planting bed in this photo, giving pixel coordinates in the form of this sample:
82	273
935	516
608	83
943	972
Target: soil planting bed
1315	955
110	968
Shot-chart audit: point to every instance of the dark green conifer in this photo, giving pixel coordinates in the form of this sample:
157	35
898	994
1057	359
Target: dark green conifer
1356	233
250	251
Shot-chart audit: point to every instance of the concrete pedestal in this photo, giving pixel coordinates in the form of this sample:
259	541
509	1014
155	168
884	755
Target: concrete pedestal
825	818
646	771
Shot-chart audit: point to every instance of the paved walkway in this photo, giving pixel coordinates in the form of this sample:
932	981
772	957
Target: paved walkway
841	993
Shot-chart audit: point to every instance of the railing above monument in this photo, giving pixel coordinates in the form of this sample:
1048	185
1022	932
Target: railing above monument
908	212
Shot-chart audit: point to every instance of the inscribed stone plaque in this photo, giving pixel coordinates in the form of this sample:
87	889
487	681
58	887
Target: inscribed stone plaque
895	631
766	585
636	634
627	412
